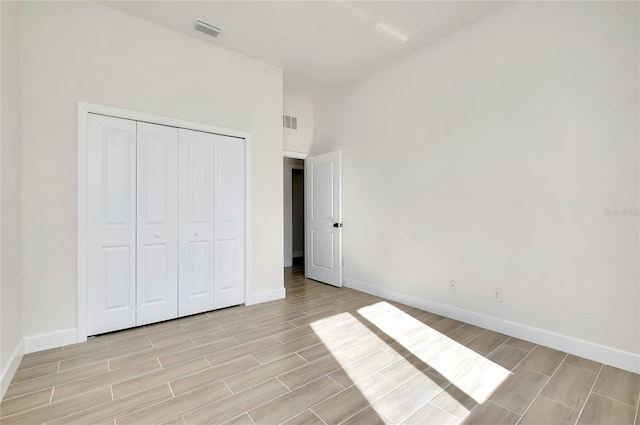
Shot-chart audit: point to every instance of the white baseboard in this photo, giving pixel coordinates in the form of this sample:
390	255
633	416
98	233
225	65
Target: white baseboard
12	367
297	254
590	350
288	262
50	340
264	296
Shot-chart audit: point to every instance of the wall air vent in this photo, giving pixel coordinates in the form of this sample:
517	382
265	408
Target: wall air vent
206	28
290	122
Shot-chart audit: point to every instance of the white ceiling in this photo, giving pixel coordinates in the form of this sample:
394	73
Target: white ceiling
320	45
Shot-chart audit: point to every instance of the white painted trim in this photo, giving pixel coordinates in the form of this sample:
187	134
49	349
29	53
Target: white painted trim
600	353
82	195
85	108
264	296
159	119
294	154
50	340
12	367
297	254
248	258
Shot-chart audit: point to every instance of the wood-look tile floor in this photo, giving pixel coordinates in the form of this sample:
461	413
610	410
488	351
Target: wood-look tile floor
321	356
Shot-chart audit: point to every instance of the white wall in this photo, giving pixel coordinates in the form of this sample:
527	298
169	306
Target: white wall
298	140
492	158
11	347
83	51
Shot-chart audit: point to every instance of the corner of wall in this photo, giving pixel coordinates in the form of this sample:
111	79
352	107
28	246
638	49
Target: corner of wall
265	296
50	340
12	367
11	341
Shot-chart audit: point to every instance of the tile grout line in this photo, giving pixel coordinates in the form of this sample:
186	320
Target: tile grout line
612	399
486	356
503	407
229	388
465	417
305	360
590	392
210	383
317	416
285	385
472	339
525	358
370	404
261	404
559	402
543	387
419	407
205	357
440	408
582	368
310	408
521	360
301	413
248	415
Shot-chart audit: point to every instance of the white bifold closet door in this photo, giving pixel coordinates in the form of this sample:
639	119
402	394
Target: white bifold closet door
157	223
111	224
211	211
228	220
166	223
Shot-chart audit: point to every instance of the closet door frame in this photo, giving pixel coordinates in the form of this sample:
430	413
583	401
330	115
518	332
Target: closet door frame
84	109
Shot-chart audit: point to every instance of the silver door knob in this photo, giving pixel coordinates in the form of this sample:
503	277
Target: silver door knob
196	234
157	235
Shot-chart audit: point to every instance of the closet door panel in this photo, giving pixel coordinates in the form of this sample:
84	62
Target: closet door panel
111	197
196	289
157	223
229	221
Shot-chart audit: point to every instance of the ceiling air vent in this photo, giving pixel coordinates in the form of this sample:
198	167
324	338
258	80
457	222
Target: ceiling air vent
208	29
290	122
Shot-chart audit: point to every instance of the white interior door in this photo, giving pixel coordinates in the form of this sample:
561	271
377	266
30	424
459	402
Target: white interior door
111	221
323	218
157	223
229	222
196	188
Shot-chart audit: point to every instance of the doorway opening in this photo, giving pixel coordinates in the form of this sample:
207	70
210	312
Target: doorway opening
297	216
294	217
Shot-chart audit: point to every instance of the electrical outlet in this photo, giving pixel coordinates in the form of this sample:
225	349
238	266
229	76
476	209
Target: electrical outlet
453	285
496	294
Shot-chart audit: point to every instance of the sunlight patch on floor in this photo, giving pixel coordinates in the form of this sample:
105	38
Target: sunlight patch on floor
471	372
407	356
338	334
